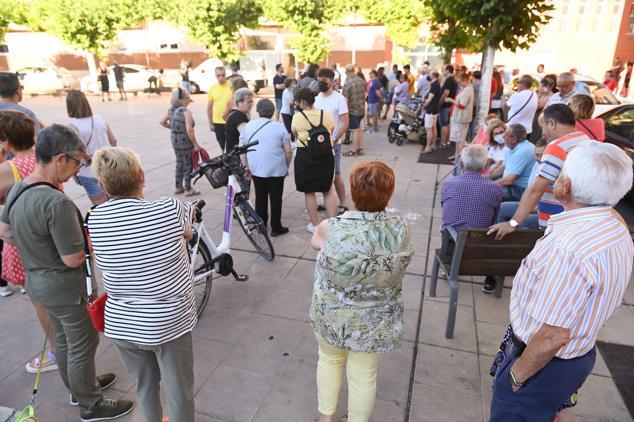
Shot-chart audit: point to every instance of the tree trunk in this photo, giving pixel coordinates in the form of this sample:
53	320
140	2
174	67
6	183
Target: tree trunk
92	70
485	89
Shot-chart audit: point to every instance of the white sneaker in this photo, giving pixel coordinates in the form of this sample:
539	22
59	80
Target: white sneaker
22	290
5	291
310	227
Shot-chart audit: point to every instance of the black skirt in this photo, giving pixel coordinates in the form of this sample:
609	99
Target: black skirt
313	175
105	84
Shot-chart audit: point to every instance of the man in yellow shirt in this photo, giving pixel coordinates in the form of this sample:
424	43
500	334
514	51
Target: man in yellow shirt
411	79
218	98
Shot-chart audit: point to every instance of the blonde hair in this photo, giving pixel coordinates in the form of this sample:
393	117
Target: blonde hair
117	169
582	106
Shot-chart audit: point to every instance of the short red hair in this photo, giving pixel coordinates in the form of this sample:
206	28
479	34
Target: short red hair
371	186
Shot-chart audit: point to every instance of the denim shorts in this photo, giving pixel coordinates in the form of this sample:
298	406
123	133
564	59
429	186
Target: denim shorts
444	116
278	104
354	122
90	185
337	149
373	109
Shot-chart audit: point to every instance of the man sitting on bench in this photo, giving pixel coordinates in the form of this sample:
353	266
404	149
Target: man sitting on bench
471	200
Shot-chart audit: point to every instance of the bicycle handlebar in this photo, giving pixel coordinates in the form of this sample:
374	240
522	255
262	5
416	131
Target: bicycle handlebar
222	160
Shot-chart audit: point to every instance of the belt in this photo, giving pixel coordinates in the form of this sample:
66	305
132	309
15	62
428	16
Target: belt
518	346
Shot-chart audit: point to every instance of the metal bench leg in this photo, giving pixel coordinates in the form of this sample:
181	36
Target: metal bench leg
434	277
499	286
453	308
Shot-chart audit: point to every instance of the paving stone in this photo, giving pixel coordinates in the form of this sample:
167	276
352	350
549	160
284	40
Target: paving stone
599	400
489	308
489	337
447	368
434	322
430	403
465	291
620	328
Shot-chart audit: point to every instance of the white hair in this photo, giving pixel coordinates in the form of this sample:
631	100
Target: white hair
242	94
474	158
178	95
600	173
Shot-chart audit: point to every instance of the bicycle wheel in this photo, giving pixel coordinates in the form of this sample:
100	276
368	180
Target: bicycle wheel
202	285
255	230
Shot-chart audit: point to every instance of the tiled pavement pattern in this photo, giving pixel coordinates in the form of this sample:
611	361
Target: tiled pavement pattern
255	354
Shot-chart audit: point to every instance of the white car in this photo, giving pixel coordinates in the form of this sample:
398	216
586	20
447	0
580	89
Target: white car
42	80
203	76
135	79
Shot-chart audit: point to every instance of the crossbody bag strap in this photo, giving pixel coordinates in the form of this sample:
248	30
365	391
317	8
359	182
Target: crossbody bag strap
31	186
84	224
16	172
312	126
251	137
522	108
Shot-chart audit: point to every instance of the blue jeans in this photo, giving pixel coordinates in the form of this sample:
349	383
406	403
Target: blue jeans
90	185
512	193
507	210
542	394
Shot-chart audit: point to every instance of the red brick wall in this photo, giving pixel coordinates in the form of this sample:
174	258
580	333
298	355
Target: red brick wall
625	43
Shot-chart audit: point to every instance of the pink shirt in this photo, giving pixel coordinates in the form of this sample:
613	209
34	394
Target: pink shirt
594	128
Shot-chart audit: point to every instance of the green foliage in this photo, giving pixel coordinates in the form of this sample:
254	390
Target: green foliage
402	18
309	18
11	11
217	23
474	24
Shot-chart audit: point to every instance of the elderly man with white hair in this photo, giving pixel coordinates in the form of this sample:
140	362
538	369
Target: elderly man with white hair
566	288
424	81
470	200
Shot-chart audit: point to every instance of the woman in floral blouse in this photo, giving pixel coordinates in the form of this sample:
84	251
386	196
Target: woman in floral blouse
356	309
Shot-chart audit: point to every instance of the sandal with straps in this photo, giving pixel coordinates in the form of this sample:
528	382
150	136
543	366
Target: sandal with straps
350	153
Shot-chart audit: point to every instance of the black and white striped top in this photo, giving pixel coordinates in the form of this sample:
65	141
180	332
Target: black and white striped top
140	248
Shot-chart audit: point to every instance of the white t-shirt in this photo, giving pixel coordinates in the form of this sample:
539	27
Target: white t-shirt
287	97
94	133
524	116
334	103
496	153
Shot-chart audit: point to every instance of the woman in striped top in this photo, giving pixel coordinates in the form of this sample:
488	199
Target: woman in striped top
141	248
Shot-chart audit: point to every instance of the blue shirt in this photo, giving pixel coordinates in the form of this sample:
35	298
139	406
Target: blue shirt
470	201
28	112
520	161
268	158
373	86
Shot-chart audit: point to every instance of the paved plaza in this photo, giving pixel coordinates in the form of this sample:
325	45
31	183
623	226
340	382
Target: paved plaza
255	353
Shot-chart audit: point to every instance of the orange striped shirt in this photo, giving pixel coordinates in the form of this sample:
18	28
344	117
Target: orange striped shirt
574	278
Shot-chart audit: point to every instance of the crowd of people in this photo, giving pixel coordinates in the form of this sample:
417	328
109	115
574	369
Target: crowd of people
539	162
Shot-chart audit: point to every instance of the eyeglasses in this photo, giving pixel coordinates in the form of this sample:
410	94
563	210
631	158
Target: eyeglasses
80	163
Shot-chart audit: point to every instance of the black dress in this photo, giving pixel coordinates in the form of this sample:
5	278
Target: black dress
103	80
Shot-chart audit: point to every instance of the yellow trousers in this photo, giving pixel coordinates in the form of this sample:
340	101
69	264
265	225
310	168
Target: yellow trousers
361	370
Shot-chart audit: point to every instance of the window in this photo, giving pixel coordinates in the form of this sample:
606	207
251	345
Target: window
621	124
582	16
563	23
601	94
616	18
598	15
630	26
168	46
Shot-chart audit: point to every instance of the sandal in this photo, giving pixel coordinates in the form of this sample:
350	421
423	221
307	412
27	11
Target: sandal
178	191
350	153
341	209
321	208
192	192
360	151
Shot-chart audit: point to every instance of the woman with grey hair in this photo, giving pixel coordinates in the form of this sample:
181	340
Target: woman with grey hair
238	117
180	121
267	164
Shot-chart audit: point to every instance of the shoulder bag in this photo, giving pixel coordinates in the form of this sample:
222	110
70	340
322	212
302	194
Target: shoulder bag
521	108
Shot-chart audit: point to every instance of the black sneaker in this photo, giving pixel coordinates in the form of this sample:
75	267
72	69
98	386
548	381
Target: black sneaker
279	232
105	381
489	286
107	409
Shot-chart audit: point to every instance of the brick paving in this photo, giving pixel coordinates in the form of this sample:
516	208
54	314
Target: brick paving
255	354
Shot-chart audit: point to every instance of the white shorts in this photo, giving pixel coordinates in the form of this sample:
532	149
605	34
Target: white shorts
458	132
430	120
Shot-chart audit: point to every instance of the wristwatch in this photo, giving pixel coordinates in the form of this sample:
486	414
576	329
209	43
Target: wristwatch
513	222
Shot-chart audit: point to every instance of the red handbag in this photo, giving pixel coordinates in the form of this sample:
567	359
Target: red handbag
198	156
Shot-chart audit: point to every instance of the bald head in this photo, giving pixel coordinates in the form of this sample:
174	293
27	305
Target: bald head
350	69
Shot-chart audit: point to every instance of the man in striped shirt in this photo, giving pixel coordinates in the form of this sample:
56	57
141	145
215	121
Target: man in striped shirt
567	288
559	128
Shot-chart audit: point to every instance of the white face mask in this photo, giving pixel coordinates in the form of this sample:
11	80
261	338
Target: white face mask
499	138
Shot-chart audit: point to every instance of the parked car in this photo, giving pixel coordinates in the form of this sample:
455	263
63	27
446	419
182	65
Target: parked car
252	69
604	99
135	79
44	79
619	130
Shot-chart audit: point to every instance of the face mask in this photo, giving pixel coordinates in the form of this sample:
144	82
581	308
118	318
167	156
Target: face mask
499	138
323	86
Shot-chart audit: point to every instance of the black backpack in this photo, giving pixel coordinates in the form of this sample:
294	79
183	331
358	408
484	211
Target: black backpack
318	138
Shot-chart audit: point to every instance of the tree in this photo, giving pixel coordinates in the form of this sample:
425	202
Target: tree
489	25
217	23
309	18
402	18
11	11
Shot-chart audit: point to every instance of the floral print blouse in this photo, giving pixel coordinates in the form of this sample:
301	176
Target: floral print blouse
356	303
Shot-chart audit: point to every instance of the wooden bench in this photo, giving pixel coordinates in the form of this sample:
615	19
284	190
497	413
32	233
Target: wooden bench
470	252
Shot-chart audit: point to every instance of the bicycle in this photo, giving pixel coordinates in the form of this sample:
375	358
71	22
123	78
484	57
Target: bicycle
206	257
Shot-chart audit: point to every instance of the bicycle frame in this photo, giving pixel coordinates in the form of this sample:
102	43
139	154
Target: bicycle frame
233	189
